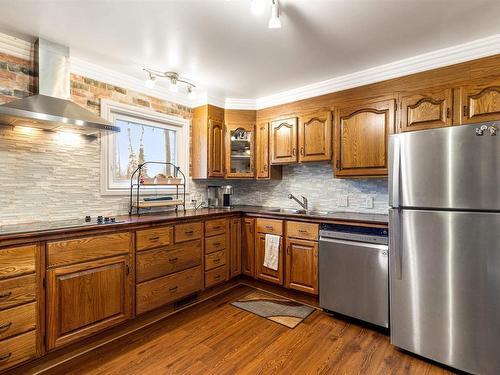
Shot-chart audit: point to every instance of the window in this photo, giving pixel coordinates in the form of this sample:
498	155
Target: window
145	136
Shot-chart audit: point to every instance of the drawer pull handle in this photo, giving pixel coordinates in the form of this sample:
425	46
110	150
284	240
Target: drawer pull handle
154	238
302	231
217	260
188	232
216	243
172	260
217	227
5	357
5	295
270	227
217	277
173	289
5	326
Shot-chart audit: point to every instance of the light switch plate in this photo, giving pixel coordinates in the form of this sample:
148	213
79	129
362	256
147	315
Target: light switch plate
344	200
369	202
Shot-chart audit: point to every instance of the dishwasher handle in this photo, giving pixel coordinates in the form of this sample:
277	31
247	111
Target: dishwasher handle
354	243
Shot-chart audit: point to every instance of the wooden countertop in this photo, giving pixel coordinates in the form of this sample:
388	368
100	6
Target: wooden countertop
50	229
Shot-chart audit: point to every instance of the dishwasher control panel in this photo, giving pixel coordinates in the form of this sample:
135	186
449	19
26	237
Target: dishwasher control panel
355	233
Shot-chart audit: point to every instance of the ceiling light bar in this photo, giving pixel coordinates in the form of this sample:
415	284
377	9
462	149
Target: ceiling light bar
174	79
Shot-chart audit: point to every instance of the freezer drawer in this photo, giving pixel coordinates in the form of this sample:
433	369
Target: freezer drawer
445	287
353	279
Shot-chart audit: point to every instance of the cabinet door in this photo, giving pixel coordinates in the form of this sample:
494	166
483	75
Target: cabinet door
215	149
240	151
315	137
302	265
262	151
235	250
283	141
86	298
261	271
361	138
480	102
426	110
248	247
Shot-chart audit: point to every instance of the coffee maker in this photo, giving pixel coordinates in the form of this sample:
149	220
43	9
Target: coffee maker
219	196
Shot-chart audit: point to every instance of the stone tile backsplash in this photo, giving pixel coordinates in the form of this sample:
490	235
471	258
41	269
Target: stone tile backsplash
316	183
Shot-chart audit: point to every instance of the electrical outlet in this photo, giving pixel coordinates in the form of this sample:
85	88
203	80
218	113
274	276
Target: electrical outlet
344	200
369	202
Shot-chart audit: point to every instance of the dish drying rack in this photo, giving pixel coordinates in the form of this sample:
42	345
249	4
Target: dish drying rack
179	181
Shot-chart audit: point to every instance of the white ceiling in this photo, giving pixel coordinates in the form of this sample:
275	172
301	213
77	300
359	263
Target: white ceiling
222	46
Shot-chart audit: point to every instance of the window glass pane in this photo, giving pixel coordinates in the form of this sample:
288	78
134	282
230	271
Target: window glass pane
137	143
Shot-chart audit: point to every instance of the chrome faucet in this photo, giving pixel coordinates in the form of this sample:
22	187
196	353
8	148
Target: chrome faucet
303	204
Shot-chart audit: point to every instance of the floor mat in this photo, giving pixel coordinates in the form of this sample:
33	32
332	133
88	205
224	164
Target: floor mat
280	310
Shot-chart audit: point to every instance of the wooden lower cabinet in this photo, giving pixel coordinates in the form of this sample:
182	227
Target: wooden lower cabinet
86	298
261	271
17	349
248	247
302	265
163	290
235	247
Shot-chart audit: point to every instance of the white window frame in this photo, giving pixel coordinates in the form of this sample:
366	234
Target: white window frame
111	110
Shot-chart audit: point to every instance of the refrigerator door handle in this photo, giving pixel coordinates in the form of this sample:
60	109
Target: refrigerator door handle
395	242
395	165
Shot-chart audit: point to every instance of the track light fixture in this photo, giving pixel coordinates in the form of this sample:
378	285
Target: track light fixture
174	79
275	21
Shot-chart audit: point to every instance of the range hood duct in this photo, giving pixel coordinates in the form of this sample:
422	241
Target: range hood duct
51	108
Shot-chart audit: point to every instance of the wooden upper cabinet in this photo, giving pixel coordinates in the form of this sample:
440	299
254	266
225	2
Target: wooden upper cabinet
207	142
315	137
302	265
85	298
283	141
480	102
240	150
419	111
361	138
215	148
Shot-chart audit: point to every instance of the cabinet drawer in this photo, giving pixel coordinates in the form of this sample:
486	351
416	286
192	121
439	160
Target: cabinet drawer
156	237
161	262
186	232
270	226
17	291
215	243
215	260
16	261
214	227
17	349
305	231
166	289
87	248
215	276
17	320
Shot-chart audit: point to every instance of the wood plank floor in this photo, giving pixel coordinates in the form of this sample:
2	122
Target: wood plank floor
214	337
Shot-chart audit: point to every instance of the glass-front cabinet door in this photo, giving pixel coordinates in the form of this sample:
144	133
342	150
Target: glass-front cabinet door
240	145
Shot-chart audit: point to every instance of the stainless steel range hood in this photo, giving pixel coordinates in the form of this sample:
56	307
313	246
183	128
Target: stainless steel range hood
51	108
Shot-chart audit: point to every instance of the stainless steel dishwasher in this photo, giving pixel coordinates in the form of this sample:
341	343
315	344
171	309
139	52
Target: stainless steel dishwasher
353	272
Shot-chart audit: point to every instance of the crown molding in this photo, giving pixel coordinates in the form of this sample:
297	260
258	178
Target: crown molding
447	56
234	103
16	47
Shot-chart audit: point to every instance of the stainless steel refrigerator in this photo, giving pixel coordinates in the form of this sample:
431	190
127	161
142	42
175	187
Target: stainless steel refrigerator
444	193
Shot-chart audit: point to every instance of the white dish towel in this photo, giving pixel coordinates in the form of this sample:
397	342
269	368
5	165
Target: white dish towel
272	251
